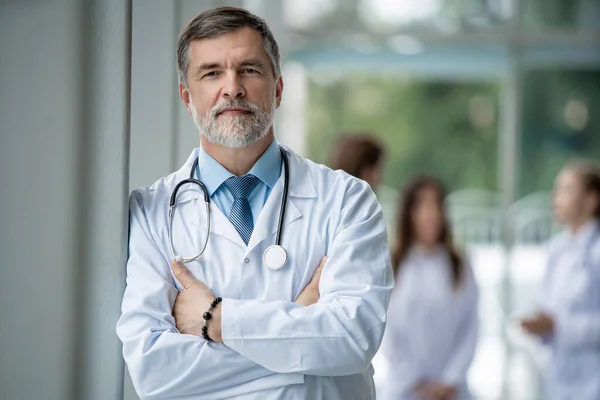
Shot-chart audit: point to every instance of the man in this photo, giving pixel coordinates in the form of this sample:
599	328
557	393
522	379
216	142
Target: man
301	332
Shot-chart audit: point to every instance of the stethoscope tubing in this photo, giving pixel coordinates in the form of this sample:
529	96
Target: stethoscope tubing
191	179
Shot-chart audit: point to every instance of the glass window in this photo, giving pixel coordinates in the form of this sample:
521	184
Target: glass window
560	122
582	15
326	23
447	128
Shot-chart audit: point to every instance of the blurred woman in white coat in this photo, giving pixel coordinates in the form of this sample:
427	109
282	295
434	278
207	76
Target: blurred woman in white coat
569	316
432	330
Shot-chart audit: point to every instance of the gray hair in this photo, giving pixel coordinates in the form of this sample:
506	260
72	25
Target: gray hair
219	21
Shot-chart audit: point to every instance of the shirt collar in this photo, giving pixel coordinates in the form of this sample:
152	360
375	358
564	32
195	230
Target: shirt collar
213	174
268	166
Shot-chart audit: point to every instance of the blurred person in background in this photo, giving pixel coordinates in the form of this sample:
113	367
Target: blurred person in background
569	316
360	155
432	327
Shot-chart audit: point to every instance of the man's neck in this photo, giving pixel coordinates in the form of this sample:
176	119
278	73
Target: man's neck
240	160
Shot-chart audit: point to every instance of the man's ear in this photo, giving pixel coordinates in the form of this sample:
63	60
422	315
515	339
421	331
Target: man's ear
185	96
278	91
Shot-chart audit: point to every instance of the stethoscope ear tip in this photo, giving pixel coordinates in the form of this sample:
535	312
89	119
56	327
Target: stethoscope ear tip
179	258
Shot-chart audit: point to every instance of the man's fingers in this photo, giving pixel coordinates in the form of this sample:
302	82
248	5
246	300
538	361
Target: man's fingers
182	274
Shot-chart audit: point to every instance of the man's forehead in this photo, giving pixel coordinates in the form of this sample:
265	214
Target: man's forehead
242	42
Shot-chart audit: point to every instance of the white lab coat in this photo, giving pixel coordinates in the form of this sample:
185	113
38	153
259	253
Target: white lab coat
432	329
274	348
571	294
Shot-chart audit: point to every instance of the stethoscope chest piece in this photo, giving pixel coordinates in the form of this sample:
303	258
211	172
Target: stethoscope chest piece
275	257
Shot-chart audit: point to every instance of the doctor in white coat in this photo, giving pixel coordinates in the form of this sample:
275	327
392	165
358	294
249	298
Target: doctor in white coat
569	317
274	335
432	331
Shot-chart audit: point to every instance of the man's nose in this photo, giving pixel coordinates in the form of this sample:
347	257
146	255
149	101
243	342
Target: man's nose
233	87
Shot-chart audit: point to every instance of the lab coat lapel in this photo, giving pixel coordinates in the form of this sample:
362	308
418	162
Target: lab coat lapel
300	186
219	223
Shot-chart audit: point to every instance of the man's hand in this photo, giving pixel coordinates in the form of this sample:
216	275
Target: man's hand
192	303
540	324
310	295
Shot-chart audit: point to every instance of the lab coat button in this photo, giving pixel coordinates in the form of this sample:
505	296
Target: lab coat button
246	261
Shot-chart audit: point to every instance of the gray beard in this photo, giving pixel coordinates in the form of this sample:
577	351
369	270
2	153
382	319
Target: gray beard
234	131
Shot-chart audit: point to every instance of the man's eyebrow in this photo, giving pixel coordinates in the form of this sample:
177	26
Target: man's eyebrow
252	62
205	66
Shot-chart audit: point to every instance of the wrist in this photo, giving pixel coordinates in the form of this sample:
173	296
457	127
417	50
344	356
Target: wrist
211	326
214	327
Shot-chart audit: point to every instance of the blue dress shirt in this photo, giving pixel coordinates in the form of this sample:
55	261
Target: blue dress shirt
267	169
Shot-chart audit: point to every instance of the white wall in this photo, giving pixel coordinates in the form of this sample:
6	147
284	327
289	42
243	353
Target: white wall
64	106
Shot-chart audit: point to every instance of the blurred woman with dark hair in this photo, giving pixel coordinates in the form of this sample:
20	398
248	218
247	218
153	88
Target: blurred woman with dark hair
360	155
432	319
569	316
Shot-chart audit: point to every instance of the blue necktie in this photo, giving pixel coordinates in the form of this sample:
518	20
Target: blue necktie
240	214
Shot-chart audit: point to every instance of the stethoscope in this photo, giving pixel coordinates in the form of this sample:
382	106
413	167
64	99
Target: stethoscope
274	257
585	262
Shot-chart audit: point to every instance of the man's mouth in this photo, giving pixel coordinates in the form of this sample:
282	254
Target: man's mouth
234	112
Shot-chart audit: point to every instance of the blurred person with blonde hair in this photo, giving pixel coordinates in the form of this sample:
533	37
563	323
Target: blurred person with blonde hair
568	320
432	326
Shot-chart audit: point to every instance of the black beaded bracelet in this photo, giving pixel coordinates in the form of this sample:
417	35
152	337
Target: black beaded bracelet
208	315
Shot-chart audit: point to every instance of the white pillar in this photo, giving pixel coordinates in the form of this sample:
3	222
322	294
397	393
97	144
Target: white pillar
508	168
64	125
291	117
154	94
